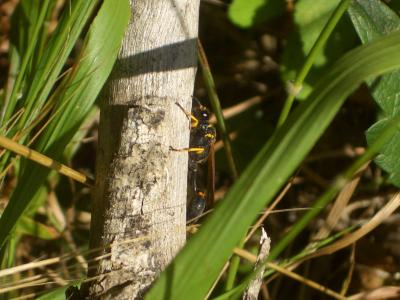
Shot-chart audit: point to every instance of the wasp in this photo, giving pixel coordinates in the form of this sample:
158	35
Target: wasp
197	203
202	139
202	133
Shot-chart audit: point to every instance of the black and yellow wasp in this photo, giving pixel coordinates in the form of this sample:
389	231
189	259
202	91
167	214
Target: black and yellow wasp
202	139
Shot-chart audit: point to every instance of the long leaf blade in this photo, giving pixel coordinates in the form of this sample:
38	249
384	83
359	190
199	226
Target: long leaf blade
83	85
195	268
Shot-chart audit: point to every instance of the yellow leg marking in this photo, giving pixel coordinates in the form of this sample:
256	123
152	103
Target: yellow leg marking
194	121
194	149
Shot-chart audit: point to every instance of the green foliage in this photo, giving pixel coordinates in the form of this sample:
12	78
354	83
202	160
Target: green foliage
47	93
373	19
57	294
319	205
388	159
248	13
310	18
34	228
71	99
196	267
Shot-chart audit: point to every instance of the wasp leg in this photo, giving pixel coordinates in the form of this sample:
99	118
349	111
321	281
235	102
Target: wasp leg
190	149
194	122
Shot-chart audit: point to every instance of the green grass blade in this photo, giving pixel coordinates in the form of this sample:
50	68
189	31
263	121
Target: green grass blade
31	227
315	50
80	90
387	133
287	262
32	86
26	42
56	294
192	273
216	106
52	61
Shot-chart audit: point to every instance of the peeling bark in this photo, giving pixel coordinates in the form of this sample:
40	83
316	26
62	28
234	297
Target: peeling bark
139	207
